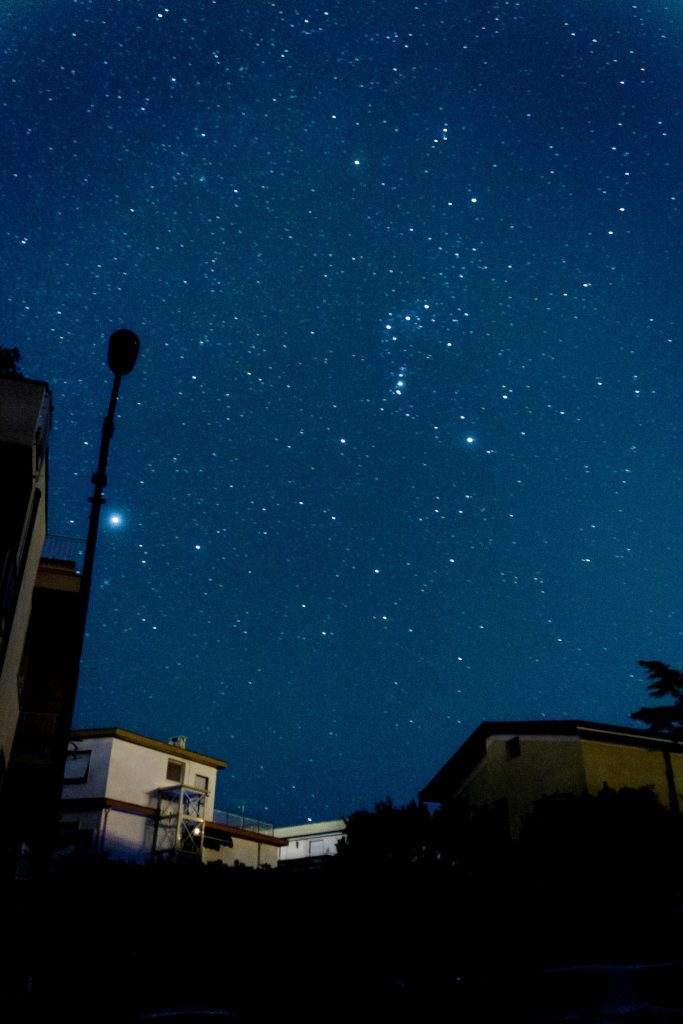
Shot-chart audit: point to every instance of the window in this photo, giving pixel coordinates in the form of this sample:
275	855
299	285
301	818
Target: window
513	747
175	771
77	766
317	847
202	782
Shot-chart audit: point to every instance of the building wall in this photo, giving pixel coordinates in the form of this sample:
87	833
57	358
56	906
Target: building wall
125	835
314	839
49	671
122	835
141	771
9	682
522	769
79	833
621	766
250	853
24	431
126	771
516	770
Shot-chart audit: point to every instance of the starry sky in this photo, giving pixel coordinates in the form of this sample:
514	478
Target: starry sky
401	451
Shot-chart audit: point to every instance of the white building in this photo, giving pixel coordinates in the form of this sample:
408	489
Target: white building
135	798
117	785
310	842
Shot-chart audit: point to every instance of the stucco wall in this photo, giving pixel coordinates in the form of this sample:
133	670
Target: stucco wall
314	839
126	771
243	851
9	699
95	784
620	766
543	766
136	773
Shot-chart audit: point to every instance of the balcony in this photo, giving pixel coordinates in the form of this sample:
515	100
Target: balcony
63	551
238	820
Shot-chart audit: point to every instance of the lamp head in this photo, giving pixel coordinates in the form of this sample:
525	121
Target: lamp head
123	351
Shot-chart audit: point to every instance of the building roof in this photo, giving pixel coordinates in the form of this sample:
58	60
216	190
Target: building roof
467	757
25	407
145	741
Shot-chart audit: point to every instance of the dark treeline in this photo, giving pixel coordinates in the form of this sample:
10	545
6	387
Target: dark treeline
416	912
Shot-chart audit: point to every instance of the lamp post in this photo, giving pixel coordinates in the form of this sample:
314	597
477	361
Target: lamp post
121	356
123	351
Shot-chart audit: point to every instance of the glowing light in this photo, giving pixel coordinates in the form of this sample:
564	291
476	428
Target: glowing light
115	519
470	440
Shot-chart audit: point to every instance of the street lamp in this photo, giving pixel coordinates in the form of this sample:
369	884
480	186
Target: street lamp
123	351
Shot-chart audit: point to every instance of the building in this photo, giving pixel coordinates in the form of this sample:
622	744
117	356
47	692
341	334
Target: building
49	678
307	845
510	765
232	839
134	798
40	628
25	420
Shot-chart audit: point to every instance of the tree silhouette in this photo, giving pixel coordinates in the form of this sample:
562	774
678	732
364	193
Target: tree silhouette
390	837
667	719
9	362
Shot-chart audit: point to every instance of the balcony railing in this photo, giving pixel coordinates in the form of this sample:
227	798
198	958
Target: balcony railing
64	549
237	820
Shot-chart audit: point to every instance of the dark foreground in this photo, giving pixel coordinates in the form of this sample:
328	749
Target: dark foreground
121	943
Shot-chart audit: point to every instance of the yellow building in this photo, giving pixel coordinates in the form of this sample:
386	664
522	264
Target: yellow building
513	764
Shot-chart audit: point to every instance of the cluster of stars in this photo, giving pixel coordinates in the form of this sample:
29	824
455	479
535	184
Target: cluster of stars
407	383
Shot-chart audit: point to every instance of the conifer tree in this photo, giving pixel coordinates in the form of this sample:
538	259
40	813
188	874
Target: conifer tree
666	719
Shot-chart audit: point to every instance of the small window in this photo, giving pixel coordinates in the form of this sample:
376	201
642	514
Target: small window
513	747
202	782
317	848
77	766
175	771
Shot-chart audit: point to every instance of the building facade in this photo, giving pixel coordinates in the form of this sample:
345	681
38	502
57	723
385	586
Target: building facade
33	784
25	420
510	765
130	797
307	845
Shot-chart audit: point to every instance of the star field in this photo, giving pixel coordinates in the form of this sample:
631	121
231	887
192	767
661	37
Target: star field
401	451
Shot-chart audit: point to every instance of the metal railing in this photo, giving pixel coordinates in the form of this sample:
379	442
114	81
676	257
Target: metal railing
64	549
238	820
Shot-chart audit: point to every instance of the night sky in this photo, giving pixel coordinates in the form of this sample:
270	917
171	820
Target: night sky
401	449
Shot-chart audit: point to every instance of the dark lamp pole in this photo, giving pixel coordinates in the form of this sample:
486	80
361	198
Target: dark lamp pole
122	354
123	351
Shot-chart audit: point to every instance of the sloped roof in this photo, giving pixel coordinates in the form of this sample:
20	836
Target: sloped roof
181	753
448	779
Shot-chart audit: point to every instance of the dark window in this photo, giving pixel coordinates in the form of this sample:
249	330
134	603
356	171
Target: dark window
513	747
77	766
174	771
